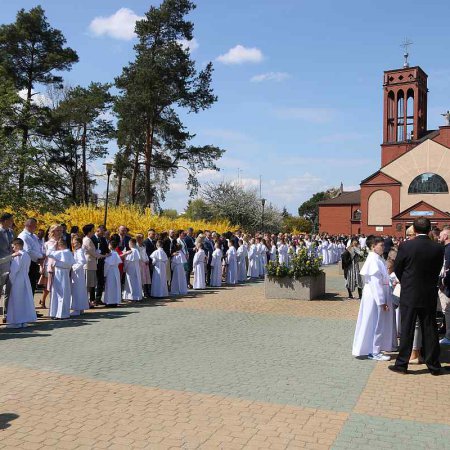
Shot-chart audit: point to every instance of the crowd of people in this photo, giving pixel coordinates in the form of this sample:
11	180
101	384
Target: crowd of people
88	267
405	285
91	266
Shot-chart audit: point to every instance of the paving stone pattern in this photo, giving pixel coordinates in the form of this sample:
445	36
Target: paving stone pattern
223	368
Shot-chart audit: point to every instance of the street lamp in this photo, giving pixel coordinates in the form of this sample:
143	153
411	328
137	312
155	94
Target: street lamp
109	167
263	203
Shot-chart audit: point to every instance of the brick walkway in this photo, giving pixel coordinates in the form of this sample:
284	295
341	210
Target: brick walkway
221	369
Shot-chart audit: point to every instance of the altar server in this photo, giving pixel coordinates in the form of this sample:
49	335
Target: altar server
324	249
216	266
231	264
61	289
242	255
132	269
159	278
375	326
199	267
178	284
113	291
80	300
20	303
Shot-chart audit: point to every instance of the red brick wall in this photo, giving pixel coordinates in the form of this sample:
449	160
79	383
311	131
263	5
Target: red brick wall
444	136
336	219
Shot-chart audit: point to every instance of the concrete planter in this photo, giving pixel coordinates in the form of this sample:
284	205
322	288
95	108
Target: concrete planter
305	288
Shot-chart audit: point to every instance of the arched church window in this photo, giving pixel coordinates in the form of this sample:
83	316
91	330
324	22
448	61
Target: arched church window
400	115
357	215
410	115
428	183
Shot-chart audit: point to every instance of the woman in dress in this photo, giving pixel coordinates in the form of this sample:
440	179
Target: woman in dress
353	279
54	233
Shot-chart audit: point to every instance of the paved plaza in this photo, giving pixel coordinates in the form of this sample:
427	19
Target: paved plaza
221	369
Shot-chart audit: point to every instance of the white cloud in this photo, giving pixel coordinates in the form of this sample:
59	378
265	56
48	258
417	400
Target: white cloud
119	25
270	76
192	45
225	134
240	55
313	115
37	98
345	162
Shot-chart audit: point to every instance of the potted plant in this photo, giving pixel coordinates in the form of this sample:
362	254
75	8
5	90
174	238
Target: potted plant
302	280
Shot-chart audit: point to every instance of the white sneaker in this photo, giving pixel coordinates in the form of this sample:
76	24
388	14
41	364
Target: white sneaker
379	357
444	341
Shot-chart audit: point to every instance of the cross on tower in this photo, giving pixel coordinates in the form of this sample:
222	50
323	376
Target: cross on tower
406	44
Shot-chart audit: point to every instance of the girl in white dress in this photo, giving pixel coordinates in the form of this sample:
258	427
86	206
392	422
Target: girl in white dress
216	266
199	267
231	264
375	325
283	253
80	300
253	260
242	255
21	303
113	291
144	265
132	269
159	278
178	285
61	289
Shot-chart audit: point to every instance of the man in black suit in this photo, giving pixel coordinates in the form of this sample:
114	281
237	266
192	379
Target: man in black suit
101	244
150	247
417	266
388	244
124	238
208	247
190	244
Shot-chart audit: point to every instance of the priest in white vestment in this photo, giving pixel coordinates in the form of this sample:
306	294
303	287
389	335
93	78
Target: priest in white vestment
374	328
159	279
21	308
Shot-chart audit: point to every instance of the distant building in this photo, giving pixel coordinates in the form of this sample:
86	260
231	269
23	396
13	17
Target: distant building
415	168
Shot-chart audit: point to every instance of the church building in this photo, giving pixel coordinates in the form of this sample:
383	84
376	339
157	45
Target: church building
414	175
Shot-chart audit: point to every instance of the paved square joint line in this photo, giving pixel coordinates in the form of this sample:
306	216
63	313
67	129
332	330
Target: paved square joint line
66	412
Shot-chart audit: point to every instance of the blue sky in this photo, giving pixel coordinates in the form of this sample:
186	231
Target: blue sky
299	82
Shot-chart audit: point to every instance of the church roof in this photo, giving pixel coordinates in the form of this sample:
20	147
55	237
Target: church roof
346	198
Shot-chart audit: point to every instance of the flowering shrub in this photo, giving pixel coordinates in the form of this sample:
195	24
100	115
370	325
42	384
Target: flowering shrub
302	265
136	219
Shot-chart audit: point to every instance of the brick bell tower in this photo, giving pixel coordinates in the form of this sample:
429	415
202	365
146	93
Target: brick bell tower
405	95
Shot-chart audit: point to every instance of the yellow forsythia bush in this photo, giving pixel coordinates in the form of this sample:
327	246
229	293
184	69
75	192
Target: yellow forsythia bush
136	219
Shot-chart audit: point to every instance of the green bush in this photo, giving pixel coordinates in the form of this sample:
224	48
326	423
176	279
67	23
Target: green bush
302	265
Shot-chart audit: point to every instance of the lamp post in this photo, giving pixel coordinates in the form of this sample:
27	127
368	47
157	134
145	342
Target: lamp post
109	168
263	203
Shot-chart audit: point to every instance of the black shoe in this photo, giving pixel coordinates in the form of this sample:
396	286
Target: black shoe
397	369
436	372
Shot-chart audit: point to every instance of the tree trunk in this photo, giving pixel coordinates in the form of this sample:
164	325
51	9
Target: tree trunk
83	166
134	176
119	188
148	164
23	150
